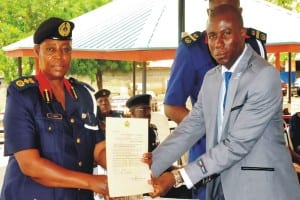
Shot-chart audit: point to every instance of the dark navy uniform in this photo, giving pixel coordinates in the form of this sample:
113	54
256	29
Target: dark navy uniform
153	139
192	61
34	119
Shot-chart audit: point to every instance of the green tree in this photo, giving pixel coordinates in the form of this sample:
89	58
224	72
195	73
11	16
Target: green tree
95	68
288	4
19	19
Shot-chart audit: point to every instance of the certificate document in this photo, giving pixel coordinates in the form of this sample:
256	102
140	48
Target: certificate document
126	142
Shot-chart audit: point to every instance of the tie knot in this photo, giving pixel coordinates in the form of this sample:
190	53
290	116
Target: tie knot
227	76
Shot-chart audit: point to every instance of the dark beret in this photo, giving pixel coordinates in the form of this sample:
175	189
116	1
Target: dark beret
137	100
53	28
102	93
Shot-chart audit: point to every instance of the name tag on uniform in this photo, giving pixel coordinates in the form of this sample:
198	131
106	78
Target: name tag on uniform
54	115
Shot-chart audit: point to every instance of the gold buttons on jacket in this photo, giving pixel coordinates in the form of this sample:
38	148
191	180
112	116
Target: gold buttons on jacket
78	140
72	120
80	163
49	128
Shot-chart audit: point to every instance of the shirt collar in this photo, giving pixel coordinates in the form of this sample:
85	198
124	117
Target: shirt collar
235	64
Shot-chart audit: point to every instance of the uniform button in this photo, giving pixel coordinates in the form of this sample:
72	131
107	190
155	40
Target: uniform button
78	140
80	163
49	128
72	120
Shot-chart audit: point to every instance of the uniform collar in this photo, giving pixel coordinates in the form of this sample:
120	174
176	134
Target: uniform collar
46	90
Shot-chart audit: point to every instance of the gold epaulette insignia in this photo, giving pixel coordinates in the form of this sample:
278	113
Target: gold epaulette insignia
191	38
253	33
25	82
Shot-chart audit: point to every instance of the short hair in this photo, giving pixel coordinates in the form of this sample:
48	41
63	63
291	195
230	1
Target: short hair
223	9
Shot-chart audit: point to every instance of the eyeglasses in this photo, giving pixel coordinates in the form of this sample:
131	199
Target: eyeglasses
142	110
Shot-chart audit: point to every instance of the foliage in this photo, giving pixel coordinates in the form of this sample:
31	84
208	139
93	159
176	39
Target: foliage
90	67
288	4
19	19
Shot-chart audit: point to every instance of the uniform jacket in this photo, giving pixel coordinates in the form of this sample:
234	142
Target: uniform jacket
65	137
251	157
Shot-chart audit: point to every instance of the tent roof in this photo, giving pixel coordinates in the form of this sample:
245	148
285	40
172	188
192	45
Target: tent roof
141	30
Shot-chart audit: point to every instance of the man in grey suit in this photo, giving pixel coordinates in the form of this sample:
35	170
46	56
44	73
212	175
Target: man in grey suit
246	155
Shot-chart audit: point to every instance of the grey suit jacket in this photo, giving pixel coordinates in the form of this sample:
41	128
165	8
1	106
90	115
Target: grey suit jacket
252	158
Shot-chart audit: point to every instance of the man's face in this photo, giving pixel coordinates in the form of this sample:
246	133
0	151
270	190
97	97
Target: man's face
104	105
54	57
225	39
215	3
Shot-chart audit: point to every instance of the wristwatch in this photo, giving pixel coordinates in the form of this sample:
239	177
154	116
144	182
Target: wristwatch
178	178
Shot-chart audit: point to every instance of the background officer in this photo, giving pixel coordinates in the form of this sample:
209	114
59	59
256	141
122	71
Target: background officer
104	107
140	107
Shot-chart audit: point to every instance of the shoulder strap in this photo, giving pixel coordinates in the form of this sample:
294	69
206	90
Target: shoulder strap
189	39
24	83
253	33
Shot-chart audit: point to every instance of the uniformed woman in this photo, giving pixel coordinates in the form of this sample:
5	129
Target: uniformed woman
51	132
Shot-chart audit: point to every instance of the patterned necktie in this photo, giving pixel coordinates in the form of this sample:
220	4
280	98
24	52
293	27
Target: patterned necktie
227	76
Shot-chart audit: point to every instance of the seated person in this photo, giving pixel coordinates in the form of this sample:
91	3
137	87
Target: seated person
104	107
294	128
140	107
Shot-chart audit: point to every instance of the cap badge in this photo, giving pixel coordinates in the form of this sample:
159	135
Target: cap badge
64	29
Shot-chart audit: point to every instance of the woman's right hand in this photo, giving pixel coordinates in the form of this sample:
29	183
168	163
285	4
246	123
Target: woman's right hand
99	185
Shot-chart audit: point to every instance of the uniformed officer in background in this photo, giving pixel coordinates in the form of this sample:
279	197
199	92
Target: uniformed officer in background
140	107
51	132
104	107
191	62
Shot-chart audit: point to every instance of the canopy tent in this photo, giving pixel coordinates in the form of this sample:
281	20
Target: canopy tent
145	30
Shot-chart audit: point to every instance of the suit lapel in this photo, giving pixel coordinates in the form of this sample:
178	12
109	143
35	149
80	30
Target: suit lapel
217	77
233	87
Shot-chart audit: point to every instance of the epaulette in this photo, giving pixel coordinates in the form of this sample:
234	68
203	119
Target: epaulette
153	126
24	83
75	81
191	38
253	33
